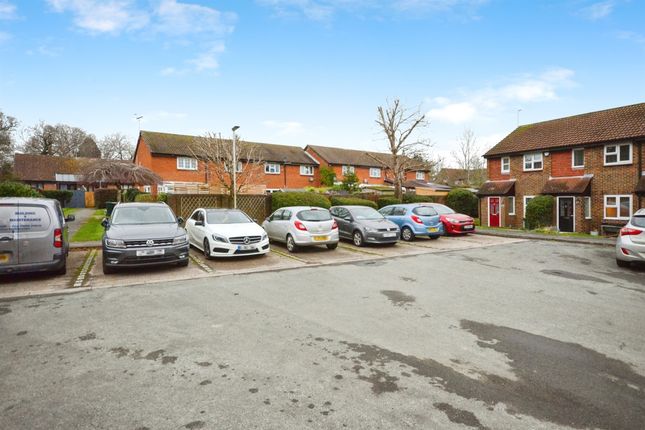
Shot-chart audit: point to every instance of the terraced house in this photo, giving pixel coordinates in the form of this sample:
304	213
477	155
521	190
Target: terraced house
593	164
172	156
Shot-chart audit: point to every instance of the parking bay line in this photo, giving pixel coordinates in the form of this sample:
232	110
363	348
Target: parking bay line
293	257
361	251
205	267
87	266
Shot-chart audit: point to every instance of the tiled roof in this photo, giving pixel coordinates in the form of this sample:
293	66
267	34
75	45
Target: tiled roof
497	188
41	168
423	184
179	144
626	122
640	187
357	157
453	176
570	185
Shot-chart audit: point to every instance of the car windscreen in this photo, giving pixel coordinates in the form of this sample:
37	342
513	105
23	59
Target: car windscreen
638	221
130	215
314	215
365	214
424	211
443	210
227	217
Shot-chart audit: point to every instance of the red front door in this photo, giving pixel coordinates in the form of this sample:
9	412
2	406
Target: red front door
493	211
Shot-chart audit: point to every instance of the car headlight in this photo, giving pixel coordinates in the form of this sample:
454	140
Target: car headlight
452	220
264	237
180	239
370	229
219	238
115	243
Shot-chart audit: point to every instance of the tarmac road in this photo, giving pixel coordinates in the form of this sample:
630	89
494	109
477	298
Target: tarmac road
529	335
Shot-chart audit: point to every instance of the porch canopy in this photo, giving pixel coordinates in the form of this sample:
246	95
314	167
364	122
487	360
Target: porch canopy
640	187
497	188
577	185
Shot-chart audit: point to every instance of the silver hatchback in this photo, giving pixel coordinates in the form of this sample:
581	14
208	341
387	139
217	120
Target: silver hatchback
630	245
298	226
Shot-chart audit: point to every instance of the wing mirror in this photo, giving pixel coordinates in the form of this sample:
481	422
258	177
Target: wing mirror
105	223
70	218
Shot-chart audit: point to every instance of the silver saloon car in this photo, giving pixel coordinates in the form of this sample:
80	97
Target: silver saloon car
298	226
630	244
362	225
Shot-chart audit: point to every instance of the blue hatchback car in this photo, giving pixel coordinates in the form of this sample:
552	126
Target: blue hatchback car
414	219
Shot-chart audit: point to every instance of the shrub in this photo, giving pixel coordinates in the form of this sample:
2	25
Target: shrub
130	194
327	176
144	197
539	212
63	196
386	201
463	201
346	201
350	182
162	197
17	189
103	195
280	200
413	198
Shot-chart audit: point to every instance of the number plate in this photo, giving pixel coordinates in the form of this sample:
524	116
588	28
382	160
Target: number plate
4	258
320	238
469	227
389	234
150	252
433	229
245	247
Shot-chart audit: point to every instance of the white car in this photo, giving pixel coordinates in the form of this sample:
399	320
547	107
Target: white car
630	244
302	226
226	233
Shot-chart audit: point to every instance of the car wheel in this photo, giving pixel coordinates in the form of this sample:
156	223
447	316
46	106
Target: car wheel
622	263
358	238
291	244
62	270
406	234
207	249
332	246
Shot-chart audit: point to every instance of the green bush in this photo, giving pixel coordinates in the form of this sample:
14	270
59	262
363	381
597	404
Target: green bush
349	201
539	212
145	197
103	195
280	200
327	176
386	201
162	197
17	189
130	194
63	196
413	198
350	182
463	201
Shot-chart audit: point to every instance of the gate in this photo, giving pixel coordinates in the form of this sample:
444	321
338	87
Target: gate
77	200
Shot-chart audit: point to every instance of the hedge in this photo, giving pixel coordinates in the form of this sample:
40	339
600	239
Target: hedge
539	212
351	201
63	196
280	200
103	195
130	194
17	189
162	197
413	198
145	197
386	201
463	201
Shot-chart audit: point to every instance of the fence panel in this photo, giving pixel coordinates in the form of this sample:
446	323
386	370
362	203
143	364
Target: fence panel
256	206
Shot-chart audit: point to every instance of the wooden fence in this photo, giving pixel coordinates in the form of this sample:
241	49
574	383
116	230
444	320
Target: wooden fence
256	206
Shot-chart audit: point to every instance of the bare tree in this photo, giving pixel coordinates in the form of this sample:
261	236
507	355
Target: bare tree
116	147
8	125
468	156
60	140
399	123
217	154
117	172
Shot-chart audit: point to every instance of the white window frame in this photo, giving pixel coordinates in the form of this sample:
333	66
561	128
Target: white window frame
306	170
533	160
348	169
239	167
508	167
186	163
618	161
511	206
573	158
586	208
147	188
421	175
272	168
617	206
375	172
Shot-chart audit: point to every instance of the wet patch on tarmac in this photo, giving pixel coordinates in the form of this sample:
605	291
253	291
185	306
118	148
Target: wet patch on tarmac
137	354
398	298
460	416
89	336
194	425
4	309
574	276
406	279
21	333
203	363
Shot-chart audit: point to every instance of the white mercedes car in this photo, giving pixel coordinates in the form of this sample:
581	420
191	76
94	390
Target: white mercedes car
226	233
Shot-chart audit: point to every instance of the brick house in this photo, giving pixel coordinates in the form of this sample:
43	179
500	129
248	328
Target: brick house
171	157
47	172
593	164
370	167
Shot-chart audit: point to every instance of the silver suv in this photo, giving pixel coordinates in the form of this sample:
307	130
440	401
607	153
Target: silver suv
33	235
630	245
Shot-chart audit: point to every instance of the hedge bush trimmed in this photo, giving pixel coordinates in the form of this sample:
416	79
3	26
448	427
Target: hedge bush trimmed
351	201
280	200
386	201
130	194
539	212
17	189
145	197
103	195
413	198
463	201
63	196
162	197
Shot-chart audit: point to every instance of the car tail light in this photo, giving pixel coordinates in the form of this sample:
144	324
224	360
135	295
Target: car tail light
58	238
416	219
627	231
300	226
625	251
334	226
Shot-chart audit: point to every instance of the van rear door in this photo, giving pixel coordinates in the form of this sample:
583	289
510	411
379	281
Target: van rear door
9	234
36	231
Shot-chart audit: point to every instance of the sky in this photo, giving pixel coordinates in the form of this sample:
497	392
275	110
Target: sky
300	72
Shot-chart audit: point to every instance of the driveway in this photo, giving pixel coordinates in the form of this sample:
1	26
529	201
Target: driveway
521	336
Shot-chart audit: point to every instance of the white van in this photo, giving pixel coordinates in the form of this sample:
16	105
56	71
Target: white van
33	235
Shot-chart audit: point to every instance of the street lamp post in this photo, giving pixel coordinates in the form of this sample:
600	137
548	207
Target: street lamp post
235	128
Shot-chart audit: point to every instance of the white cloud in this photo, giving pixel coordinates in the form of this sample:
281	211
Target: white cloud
7	10
96	16
598	10
455	113
173	17
284	127
632	36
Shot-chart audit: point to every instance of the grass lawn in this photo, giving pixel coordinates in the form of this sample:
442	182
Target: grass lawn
543	232
91	230
68	211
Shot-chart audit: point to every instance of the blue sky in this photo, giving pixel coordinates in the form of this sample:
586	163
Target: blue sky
313	71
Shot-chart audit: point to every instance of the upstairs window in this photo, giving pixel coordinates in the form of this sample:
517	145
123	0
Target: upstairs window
578	158
506	164
307	170
618	154
421	176
348	169
186	163
227	168
375	172
273	168
533	161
